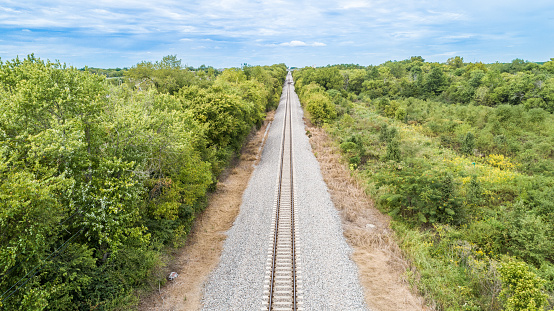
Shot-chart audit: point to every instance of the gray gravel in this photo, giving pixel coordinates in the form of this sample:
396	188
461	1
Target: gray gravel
330	278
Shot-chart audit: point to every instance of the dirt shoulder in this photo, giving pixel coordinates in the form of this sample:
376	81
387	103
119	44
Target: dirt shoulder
203	248
379	259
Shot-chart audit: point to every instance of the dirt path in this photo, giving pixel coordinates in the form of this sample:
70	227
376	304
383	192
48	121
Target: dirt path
203	249
367	230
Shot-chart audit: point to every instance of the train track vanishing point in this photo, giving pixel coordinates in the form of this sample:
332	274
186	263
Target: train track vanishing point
282	281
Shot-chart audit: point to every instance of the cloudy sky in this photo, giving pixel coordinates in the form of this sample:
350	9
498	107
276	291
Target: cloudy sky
228	33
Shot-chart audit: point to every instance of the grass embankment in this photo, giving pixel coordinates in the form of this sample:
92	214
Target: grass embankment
377	255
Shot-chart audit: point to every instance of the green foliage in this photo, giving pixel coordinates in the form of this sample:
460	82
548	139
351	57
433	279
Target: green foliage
327	77
468	144
393	151
353	150
96	179
522	289
387	134
390	108
317	103
461	156
530	237
109	73
549	66
353	80
435	81
474	192
455	62
320	108
422	194
167	75
516	83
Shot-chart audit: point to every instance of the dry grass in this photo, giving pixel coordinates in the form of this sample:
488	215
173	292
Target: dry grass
378	257
202	251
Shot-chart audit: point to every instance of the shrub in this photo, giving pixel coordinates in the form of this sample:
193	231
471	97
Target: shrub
422	194
393	151
319	107
468	143
521	288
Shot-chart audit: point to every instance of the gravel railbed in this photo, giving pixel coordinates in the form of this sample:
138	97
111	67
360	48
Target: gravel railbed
329	276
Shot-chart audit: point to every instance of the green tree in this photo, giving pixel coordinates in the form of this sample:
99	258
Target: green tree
455	62
549	66
354	80
435	81
167	75
329	78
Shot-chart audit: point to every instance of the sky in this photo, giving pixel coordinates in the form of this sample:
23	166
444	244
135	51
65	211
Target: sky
229	33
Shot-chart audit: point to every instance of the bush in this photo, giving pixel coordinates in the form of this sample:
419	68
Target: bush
318	104
422	194
521	288
468	144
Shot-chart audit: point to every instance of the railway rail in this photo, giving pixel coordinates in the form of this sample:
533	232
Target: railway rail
282	280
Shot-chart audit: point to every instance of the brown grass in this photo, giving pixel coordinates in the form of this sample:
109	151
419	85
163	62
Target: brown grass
377	255
202	251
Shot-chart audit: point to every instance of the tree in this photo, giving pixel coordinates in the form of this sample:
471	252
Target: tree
414	59
549	66
167	75
455	62
393	151
474	66
435	81
353	79
329	78
317	103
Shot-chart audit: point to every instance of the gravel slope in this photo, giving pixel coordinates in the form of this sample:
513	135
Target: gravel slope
330	280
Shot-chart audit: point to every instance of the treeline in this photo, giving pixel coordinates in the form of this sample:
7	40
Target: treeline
201	71
96	180
461	155
109	73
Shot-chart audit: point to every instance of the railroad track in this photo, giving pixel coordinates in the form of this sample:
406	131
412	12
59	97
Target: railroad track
282	281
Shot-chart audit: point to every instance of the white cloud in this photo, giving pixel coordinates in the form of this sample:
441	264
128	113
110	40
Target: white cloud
295	43
405	35
460	36
448	15
9	10
187	29
355	5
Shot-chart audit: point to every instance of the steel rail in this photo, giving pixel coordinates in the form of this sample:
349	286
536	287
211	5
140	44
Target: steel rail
285	183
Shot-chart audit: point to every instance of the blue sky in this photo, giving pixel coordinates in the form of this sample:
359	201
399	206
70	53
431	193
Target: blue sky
227	33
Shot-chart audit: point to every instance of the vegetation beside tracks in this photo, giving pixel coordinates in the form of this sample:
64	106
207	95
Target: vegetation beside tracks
98	180
462	156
